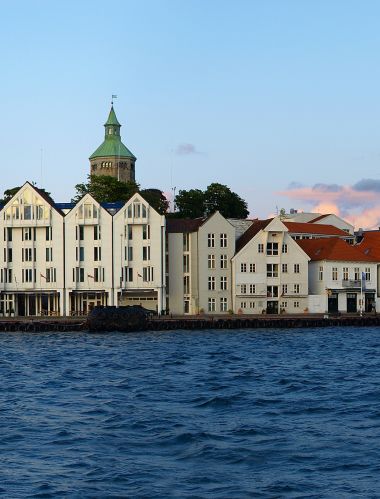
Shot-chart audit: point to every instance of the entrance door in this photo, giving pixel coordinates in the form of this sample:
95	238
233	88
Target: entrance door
333	303
352	302
21	305
272	307
369	302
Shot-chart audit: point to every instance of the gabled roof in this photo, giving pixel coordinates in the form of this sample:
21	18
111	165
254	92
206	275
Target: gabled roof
335	249
184	224
311	228
319	218
370	244
256	227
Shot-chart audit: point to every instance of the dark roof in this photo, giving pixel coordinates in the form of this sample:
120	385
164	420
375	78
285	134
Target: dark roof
64	206
256	227
113	206
311	228
183	224
335	249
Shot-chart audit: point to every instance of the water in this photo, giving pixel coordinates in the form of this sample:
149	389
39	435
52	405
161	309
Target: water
220	414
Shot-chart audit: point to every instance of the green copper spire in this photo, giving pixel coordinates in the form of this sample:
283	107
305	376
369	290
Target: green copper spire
112	145
112	120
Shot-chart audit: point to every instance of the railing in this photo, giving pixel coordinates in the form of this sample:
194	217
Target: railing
351	283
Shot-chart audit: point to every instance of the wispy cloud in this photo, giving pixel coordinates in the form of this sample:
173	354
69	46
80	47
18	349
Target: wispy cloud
186	149
358	204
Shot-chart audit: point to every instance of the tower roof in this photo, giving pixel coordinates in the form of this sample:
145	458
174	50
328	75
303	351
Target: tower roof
112	145
112	120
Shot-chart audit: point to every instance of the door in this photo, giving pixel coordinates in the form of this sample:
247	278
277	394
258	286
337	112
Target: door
333	303
21	305
352	302
369	302
272	307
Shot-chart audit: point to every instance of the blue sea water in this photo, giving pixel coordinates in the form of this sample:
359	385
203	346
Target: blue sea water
219	414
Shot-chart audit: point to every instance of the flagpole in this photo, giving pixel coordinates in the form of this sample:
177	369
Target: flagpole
361	295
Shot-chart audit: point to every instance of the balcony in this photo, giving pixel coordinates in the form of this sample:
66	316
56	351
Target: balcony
351	283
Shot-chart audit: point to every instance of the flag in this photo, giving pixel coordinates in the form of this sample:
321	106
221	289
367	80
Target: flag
90	276
363	280
43	276
139	275
114	96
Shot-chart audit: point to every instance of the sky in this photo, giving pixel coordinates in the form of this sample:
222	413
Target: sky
278	99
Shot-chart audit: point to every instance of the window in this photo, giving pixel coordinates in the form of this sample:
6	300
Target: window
272	270
146	231
147	274
186	285
296	268
223	304
251	304
272	291
81	254
211	261
357	274
320	275
252	289
146	253
243	304
345	273
28	275
243	267
284	289
223	283
27	254
49	254
211	304
284	268
128	273
334	274
137	210
272	248
186	263
96	232
296	304
284	248
50	275
81	232
186	242
97	253
211	240
130	232
284	304
243	289
49	234
367	274
252	267
29	234
260	248
211	283
223	261
296	289
130	253
223	240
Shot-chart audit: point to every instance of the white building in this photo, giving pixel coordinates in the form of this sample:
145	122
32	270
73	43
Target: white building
88	257
269	271
139	255
340	276
199	265
31	238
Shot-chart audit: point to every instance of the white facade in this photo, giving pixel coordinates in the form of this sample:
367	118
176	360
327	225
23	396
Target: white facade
31	247
270	273
199	269
88	257
139	255
335	286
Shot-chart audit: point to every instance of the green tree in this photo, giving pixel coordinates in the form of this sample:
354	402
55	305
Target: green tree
156	199
190	204
105	189
229	204
217	197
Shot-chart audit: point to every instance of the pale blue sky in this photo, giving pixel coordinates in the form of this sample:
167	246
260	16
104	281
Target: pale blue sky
267	92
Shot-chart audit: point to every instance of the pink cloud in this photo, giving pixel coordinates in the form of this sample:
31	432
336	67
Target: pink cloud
358	206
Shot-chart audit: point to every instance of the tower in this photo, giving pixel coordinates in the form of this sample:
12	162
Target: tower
112	158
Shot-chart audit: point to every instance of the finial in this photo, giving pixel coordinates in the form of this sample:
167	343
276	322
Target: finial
112	98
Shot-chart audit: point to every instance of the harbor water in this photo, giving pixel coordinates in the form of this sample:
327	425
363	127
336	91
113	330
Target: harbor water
219	414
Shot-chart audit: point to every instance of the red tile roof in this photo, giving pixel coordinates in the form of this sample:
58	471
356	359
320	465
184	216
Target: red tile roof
318	218
183	224
317	229
333	248
256	227
370	244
